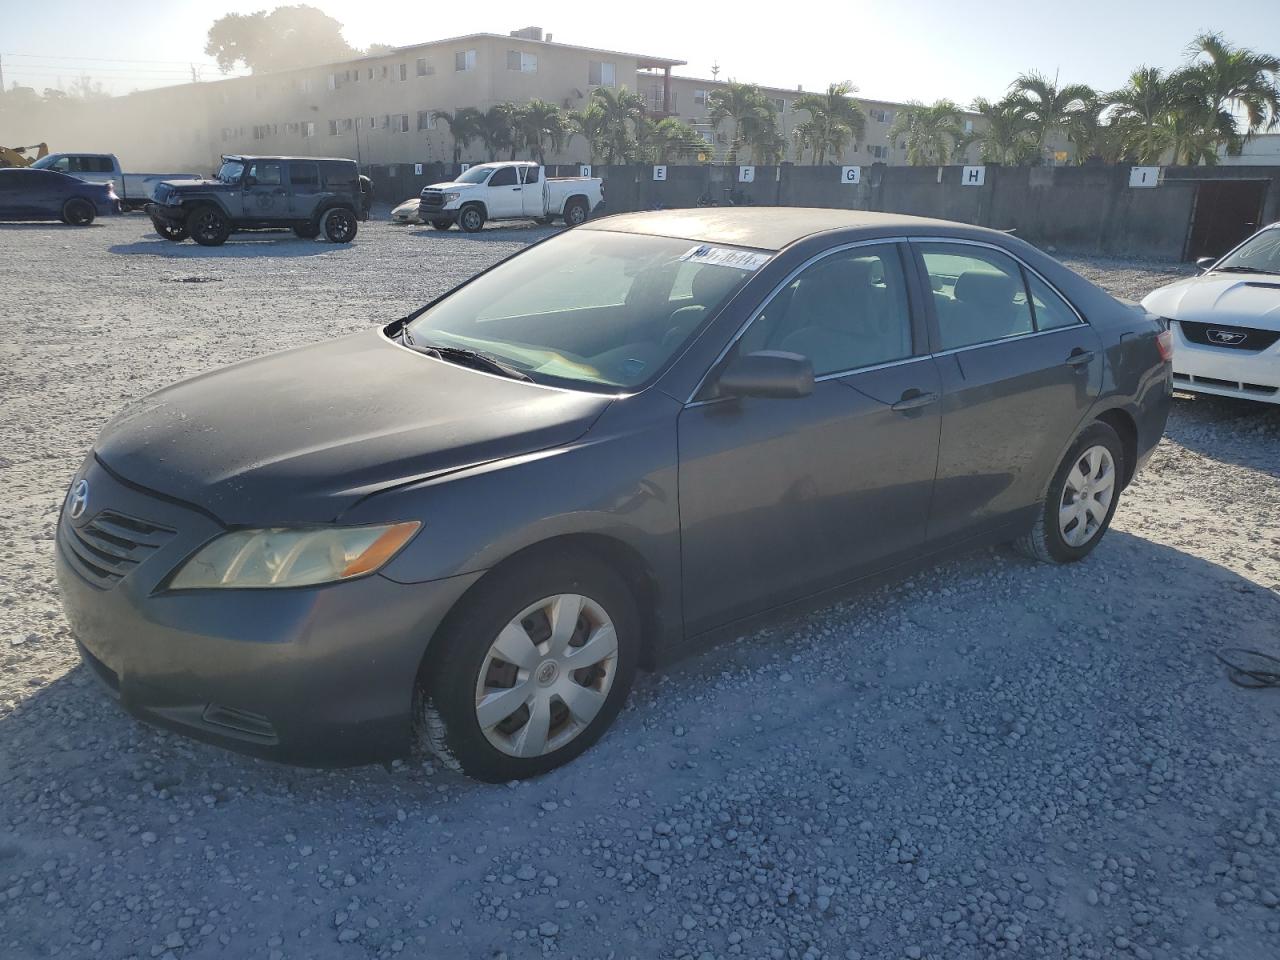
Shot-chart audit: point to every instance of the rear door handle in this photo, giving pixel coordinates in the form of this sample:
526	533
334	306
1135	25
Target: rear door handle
914	399
1079	357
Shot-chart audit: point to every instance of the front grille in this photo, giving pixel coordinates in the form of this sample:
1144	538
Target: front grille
1212	335
432	198
110	545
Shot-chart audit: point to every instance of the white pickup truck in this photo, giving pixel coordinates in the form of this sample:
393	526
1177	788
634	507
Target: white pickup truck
508	191
134	189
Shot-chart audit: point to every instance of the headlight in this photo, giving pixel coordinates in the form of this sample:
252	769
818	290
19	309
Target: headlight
450	197
292	556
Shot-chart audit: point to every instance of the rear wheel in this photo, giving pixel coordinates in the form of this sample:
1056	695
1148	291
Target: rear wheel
442	224
471	219
575	213
78	212
531	670
340	225
177	232
209	226
1081	500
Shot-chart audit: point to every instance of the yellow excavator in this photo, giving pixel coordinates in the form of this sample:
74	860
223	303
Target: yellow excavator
17	156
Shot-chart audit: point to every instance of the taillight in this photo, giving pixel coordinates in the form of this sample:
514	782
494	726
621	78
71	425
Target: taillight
1164	342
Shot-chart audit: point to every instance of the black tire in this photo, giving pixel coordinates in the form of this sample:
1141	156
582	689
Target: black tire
445	721
442	224
575	212
340	225
208	226
544	221
306	231
1046	541
177	232
78	212
471	219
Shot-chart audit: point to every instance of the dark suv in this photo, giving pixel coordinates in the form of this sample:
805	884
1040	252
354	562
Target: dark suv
311	195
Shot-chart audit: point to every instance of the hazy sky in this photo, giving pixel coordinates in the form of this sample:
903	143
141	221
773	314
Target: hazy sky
919	49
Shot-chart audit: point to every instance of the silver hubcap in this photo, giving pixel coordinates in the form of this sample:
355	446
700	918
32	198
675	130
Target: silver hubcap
547	675
1086	497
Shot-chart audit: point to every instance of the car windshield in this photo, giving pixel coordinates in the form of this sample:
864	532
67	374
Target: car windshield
475	175
590	307
1260	254
230	171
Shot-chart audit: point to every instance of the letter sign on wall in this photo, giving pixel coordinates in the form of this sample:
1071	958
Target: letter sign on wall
973	176
746	174
660	171
850	174
1144	176
584	170
417	169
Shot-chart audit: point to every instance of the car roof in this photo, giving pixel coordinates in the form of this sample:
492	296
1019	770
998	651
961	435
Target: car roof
257	156
772	228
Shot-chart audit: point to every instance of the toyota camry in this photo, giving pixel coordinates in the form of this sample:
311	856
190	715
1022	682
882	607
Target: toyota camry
466	529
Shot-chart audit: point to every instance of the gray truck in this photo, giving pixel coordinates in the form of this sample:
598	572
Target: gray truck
313	195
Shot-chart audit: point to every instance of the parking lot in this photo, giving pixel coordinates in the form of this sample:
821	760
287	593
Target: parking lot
992	757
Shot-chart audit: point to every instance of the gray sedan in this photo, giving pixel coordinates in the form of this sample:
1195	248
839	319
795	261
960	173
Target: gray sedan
466	530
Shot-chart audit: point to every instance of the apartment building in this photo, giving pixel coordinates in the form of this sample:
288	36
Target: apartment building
380	109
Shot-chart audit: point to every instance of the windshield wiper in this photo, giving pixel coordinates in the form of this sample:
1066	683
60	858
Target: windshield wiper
1235	269
461	355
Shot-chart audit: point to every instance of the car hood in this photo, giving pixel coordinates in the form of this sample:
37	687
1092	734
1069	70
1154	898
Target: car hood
300	436
450	185
1239	299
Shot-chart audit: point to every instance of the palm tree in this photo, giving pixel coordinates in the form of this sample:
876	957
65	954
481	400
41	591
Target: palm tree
675	140
621	108
931	133
591	124
1140	112
834	120
496	130
753	114
1048	106
1094	138
464	126
541	124
1234	80
1007	135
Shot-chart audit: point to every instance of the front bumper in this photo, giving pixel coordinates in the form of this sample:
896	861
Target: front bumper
161	211
1225	371
317	676
427	213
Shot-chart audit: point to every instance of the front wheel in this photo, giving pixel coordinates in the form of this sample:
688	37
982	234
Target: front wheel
177	232
530	671
471	219
1081	500
209	226
77	212
575	213
340	225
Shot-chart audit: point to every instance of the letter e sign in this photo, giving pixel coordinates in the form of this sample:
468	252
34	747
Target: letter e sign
660	171
850	174
973	176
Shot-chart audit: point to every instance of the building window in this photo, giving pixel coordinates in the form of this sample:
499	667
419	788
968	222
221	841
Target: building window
333	128
699	98
600	73
404	71
400	123
304	85
780	105
371	73
881	116
333	81
878	151
355	75
524	62
308	128
968	126
426	120
385	124
464	60
425	69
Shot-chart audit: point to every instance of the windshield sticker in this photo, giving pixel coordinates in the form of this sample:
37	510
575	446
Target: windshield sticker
727	257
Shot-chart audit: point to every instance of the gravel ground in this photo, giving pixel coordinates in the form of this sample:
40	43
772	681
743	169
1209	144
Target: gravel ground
992	758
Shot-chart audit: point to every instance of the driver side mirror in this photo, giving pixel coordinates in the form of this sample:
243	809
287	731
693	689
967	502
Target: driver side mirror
768	373
1204	263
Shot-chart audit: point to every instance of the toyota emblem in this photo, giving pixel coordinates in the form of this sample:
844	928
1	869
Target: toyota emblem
78	499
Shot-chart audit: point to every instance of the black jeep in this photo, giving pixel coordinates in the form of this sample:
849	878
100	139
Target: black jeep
311	195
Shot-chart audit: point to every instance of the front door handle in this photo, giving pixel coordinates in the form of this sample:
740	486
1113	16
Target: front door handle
1079	357
914	399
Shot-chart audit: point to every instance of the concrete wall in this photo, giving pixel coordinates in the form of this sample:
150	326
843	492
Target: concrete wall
1089	209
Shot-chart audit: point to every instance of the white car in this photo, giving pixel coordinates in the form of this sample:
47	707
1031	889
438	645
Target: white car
509	191
407	212
1226	322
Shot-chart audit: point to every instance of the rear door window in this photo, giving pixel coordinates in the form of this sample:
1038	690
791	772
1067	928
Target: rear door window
978	293
531	174
305	176
1050	309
